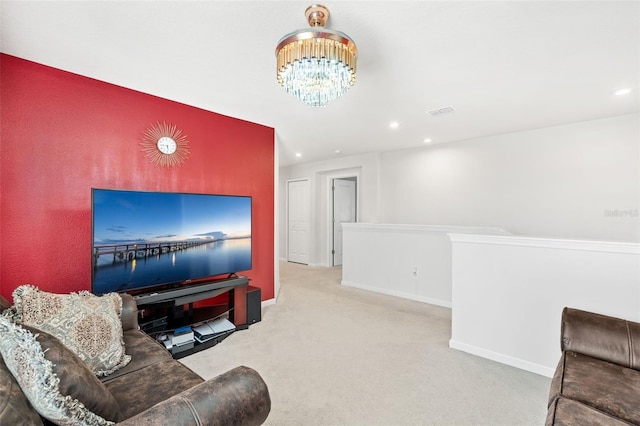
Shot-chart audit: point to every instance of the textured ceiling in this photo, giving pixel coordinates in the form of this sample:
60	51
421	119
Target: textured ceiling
504	66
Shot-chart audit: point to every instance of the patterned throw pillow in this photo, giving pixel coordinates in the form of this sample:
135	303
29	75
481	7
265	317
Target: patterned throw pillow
87	324
25	359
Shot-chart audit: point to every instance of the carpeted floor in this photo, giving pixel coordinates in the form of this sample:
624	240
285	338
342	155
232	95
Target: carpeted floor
333	355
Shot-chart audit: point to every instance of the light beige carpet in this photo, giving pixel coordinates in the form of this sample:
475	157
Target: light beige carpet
333	355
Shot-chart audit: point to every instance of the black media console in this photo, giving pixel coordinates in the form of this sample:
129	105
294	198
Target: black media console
188	292
163	312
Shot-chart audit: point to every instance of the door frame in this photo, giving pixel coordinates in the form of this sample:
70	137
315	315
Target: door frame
329	195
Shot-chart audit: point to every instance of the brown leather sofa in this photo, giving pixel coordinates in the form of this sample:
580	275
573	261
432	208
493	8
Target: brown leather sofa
597	381
156	389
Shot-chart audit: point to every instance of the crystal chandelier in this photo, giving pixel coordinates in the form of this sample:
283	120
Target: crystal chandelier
316	65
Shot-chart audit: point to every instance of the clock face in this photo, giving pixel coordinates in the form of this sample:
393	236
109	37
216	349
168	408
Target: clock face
166	145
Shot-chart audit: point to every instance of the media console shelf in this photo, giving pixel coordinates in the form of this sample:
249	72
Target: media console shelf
164	311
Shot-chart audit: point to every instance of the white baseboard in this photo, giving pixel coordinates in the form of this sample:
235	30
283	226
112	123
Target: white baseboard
504	359
268	302
409	296
313	265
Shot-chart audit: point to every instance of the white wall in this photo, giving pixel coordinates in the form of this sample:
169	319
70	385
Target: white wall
509	292
409	261
565	181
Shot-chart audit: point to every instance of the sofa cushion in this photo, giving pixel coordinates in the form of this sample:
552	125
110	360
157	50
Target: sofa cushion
144	351
25	359
76	378
607	387
566	412
89	325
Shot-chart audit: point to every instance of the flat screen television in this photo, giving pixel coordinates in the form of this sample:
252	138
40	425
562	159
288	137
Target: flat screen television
147	240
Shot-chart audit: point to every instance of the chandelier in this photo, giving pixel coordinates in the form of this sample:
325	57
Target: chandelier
316	65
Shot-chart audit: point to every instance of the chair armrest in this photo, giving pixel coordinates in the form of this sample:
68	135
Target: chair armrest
129	315
599	336
237	397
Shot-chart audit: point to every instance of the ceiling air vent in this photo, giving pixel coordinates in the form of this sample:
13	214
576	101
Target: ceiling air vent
441	111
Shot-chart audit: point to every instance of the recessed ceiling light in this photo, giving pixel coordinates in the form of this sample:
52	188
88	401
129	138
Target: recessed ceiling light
298	155
394	124
338	151
622	92
427	140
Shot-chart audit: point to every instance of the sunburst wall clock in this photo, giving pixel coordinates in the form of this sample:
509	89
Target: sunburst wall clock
164	145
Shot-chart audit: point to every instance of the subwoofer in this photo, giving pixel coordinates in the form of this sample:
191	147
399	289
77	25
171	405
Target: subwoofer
254	305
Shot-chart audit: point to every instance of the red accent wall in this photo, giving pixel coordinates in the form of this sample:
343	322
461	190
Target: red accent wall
63	134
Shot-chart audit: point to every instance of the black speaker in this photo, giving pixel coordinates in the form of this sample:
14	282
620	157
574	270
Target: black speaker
254	305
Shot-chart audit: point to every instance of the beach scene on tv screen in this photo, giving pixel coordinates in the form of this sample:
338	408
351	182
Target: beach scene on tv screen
145	239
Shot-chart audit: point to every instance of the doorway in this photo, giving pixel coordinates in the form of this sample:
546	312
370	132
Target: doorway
344	210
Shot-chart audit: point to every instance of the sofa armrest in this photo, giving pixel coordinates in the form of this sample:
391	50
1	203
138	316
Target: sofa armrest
599	336
4	304
129	315
237	397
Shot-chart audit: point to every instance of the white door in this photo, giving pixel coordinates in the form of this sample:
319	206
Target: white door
344	210
298	221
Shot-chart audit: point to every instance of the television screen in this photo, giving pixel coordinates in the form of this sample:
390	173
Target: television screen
149	239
